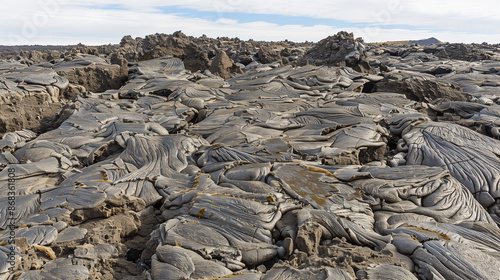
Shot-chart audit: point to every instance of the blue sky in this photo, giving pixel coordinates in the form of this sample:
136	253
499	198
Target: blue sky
95	22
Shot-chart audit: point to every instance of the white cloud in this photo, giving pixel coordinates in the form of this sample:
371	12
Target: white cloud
444	14
70	22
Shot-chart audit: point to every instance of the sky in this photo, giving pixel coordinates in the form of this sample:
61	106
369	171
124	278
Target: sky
92	22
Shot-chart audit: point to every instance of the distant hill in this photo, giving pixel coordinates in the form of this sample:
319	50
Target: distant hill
391	43
428	41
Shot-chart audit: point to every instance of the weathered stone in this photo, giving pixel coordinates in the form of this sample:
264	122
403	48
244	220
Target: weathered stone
308	238
93	74
339	50
419	88
223	66
267	55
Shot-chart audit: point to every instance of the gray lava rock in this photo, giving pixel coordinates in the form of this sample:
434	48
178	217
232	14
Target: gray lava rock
419	87
70	235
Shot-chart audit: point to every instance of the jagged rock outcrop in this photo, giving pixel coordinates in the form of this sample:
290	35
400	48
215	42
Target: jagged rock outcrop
178	45
339	50
267	55
223	66
29	96
420	87
463	52
93	73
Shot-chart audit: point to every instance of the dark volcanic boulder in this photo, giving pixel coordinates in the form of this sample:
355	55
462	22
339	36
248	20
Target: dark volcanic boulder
267	55
419	87
463	52
223	66
339	50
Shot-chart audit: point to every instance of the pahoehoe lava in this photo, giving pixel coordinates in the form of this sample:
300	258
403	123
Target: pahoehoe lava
174	157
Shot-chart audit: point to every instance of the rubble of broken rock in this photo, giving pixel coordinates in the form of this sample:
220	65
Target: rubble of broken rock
276	171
